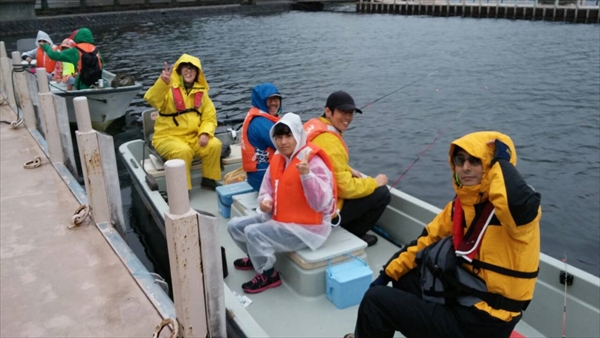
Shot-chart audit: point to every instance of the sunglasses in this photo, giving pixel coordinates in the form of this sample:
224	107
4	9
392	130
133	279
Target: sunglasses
460	160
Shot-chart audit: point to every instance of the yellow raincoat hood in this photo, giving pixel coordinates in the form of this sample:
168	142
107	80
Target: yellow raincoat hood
476	145
177	80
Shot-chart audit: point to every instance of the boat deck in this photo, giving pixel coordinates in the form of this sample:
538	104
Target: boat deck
55	281
307	316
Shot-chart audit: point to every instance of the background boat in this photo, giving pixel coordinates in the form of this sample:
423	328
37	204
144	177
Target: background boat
106	104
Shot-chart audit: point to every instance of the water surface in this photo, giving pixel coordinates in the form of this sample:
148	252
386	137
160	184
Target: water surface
538	82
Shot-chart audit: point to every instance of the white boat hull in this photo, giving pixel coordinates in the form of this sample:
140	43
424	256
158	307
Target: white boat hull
106	104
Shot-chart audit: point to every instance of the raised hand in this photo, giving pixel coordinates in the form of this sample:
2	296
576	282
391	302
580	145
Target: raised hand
166	73
303	167
501	151
266	206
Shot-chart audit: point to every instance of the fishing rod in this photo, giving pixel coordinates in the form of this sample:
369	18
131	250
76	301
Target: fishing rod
440	133
564	328
386	95
397	90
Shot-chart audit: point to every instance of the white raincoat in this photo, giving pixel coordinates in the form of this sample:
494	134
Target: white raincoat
261	237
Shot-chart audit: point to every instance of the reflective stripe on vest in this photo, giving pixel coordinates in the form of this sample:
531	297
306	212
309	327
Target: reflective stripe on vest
315	127
289	201
250	158
180	105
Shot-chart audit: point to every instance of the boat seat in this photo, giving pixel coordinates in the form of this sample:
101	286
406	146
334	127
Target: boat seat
304	270
155	165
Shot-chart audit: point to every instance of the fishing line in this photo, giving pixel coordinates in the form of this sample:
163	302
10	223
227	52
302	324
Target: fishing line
434	140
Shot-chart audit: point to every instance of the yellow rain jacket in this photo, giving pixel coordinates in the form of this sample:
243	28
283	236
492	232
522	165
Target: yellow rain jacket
512	239
348	187
172	141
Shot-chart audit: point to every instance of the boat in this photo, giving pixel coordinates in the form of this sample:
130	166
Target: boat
300	308
106	103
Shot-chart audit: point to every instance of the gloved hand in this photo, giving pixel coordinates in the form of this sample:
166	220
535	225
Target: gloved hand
502	151
382	280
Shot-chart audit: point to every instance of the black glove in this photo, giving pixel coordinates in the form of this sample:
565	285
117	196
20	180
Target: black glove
502	152
382	280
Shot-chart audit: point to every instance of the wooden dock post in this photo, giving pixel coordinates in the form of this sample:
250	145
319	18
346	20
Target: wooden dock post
23	91
195	260
6	76
99	165
47	110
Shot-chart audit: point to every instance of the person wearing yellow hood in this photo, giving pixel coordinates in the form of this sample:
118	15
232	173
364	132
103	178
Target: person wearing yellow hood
185	127
473	269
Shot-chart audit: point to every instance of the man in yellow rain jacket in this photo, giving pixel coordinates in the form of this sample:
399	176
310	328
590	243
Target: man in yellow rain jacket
473	269
187	120
361	200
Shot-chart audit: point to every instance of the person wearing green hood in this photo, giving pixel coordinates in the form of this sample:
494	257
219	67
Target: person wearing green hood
187	120
85	55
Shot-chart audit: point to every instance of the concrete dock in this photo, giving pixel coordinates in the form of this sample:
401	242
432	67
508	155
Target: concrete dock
55	281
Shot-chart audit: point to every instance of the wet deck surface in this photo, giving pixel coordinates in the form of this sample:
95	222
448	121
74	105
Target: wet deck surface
55	281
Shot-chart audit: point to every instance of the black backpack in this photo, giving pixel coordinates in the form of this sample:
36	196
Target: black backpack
90	71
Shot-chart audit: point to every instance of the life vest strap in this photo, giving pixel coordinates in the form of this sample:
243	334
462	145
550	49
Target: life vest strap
174	115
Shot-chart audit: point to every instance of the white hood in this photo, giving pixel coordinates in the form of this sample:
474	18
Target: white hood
41	35
294	122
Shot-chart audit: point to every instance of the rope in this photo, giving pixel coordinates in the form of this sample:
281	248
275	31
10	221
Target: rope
35	163
82	212
164	323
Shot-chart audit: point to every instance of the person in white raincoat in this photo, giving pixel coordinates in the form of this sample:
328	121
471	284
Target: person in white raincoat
297	199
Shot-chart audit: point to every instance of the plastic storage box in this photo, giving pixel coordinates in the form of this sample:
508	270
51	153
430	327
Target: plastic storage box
346	283
225	194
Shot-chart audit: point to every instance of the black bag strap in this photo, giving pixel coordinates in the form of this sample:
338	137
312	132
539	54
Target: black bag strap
495	300
503	271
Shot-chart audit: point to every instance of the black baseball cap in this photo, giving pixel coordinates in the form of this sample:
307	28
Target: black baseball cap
342	101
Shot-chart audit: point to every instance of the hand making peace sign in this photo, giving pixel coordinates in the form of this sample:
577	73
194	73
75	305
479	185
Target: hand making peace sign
166	73
303	165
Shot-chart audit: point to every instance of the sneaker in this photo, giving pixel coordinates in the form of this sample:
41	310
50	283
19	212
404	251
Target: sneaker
370	239
209	184
261	282
243	264
349	335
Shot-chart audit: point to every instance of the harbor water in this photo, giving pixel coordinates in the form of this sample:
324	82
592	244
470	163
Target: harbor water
538	82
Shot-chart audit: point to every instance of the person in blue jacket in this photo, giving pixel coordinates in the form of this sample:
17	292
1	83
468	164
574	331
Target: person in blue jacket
257	146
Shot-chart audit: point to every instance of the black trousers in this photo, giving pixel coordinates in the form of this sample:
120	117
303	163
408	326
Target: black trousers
385	310
360	215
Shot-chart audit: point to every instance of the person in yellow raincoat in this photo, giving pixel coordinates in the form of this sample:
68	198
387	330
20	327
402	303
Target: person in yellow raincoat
185	127
472	271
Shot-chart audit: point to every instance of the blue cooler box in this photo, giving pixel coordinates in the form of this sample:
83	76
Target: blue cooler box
346	283
225	194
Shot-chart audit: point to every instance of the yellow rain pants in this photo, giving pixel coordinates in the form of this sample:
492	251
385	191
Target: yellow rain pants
174	147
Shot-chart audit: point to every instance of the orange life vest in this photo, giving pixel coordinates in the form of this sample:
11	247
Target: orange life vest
315	127
289	202
43	61
180	104
249	162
